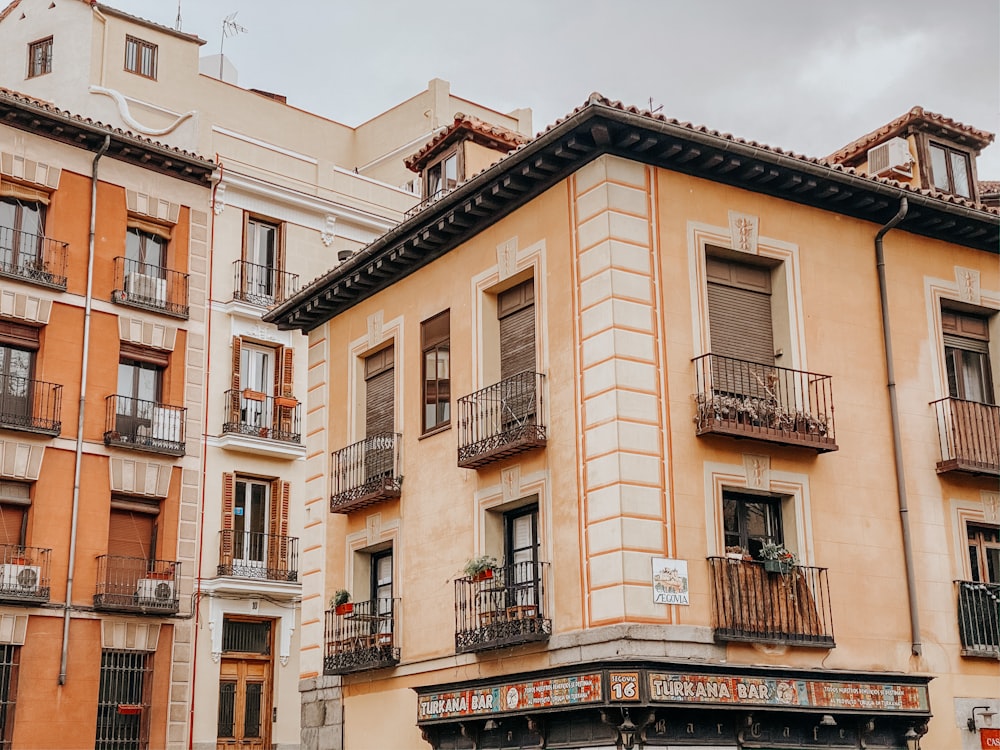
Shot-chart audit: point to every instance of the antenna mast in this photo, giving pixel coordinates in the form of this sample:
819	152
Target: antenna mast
178	24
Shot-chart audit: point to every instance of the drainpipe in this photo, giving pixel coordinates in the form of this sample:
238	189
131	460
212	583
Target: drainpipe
79	424
897	446
196	599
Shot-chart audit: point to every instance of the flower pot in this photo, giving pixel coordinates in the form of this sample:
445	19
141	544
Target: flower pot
252	395
160	575
344	609
778	566
483	575
286	402
129	709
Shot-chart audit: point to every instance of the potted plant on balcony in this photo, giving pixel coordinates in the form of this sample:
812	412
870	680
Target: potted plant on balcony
776	558
480	568
341	602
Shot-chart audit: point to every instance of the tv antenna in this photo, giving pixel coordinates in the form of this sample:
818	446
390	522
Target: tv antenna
229	28
178	22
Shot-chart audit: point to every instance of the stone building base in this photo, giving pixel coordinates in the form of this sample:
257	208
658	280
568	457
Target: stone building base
322	713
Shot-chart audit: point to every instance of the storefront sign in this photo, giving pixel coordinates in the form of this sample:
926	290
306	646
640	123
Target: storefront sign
670	581
554	692
768	691
623	686
989	739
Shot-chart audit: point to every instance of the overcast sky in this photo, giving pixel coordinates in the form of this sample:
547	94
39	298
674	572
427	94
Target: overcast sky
805	75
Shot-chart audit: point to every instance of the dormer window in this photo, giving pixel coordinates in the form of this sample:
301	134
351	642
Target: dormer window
441	176
140	57
950	170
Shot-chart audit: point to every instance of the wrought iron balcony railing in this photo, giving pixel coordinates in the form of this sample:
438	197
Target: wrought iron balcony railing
361	637
150	287
752	604
979	618
254	413
135	584
504	607
366	472
749	400
144	425
502	420
24	574
262	285
969	435
30	405
428	201
31	257
264	557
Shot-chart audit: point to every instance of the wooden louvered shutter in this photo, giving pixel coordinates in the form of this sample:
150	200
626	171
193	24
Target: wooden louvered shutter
228	501
277	552
130	534
286	363
516	311
380	393
12	524
234	399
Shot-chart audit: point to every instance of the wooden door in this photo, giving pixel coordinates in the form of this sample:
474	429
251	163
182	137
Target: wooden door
244	704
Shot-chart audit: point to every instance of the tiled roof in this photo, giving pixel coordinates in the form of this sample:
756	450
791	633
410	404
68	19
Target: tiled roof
989	187
468	123
20	98
916	116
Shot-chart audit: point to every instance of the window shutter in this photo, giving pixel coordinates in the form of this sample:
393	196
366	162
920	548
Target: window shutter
12	524
19	335
228	501
130	534
287	361
234	406
380	398
517	342
740	324
278	525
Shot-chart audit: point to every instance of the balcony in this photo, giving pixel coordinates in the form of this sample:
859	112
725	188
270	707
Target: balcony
979	618
33	258
366	472
30	405
501	420
257	415
755	605
969	435
775	404
135	584
262	557
428	201
262	285
505	608
150	288
24	574
362	638
144	425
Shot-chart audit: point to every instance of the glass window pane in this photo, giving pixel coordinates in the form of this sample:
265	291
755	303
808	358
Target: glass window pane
451	172
227	706
960	174
939	168
252	711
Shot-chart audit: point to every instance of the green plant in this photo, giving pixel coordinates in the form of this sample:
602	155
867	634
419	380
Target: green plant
774	551
340	596
477	565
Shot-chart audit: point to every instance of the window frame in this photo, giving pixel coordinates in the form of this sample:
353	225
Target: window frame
144	238
45	46
950	152
16	503
127	665
966	335
976	538
10	659
773	514
437	168
136	47
437	344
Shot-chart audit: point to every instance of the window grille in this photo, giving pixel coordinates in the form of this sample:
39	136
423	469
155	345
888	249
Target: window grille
246	637
123	701
227	709
9	658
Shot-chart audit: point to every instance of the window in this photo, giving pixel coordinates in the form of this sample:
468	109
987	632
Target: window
22	226
984	553
749	521
250	512
255	541
380	393
132	530
145	253
950	170
16	367
516	313
259	279
436	348
140	57
10	657
123	700
259	374
40	57
139	386
967	356
15	499
442	175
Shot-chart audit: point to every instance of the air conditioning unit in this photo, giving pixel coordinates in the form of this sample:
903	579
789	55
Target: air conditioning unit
891	157
146	289
153	592
166	424
21	579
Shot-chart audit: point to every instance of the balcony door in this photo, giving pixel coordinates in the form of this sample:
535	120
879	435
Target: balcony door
15	384
261	253
22	224
984	553
521	557
250	520
138	394
256	384
380	414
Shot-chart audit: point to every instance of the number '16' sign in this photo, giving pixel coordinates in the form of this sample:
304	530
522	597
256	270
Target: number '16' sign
624	686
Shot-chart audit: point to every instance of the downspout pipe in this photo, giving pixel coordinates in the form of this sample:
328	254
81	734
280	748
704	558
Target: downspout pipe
897	445
79	423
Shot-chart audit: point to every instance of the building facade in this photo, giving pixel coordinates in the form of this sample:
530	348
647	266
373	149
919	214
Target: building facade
296	193
103	244
611	460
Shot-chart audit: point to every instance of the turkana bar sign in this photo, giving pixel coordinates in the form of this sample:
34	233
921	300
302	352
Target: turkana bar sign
772	691
571	690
